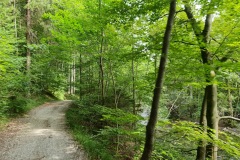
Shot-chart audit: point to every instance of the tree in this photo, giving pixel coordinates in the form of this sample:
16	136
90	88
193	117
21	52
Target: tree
209	113
158	86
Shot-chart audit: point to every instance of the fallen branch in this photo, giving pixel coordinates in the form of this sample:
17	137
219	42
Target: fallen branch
229	117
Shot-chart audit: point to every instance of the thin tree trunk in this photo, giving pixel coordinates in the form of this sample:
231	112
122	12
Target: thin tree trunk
191	92
201	150
238	98
74	73
116	99
80	76
133	86
28	41
90	74
150	128
69	79
15	23
230	99
28	35
155	65
101	72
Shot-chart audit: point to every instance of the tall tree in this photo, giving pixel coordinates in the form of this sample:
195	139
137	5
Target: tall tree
209	114
150	128
28	42
101	45
210	90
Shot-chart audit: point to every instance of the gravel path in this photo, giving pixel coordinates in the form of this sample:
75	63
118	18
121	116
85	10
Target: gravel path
40	135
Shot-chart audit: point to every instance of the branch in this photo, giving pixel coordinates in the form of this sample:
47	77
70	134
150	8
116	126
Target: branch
215	40
224	39
170	110
193	21
184	42
190	150
229	117
207	27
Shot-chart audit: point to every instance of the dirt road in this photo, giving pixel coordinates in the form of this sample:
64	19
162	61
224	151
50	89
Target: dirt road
40	135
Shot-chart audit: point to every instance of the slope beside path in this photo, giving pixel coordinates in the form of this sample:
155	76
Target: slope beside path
40	135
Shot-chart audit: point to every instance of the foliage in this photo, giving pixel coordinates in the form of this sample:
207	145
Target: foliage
105	125
94	149
18	105
78	122
179	140
69	38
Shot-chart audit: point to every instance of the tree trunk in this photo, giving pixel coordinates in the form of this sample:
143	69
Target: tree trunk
101	72
133	86
28	35
230	99
28	41
150	128
15	23
201	150
212	120
211	90
80	76
70	79
74	73
116	100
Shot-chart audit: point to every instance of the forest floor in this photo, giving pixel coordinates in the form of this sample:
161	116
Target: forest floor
40	135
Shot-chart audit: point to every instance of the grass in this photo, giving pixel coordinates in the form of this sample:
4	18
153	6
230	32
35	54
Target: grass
35	102
19	106
3	122
94	149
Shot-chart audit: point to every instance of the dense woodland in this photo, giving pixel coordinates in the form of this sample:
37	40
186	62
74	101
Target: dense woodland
149	79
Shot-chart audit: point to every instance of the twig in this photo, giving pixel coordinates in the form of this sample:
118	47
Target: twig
173	105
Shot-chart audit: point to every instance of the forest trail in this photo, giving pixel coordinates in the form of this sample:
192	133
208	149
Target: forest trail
40	135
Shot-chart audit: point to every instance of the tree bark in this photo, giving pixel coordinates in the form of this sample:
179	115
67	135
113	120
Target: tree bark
28	35
80	76
28	42
210	90
229	117
150	128
201	150
230	99
133	86
73	73
101	72
212	120
70	79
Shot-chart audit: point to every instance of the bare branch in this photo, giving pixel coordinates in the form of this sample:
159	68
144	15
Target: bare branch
229	117
170	110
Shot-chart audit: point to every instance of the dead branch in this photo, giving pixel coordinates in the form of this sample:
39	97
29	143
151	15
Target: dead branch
229	117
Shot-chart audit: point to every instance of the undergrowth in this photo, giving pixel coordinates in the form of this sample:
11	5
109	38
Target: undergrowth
94	149
94	127
105	133
16	106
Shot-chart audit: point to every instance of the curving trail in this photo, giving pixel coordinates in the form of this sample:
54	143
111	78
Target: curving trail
41	135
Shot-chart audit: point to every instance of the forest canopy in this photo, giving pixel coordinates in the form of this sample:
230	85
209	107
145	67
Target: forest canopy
168	67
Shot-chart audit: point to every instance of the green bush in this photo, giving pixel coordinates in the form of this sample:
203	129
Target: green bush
82	126
114	129
17	105
13	106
